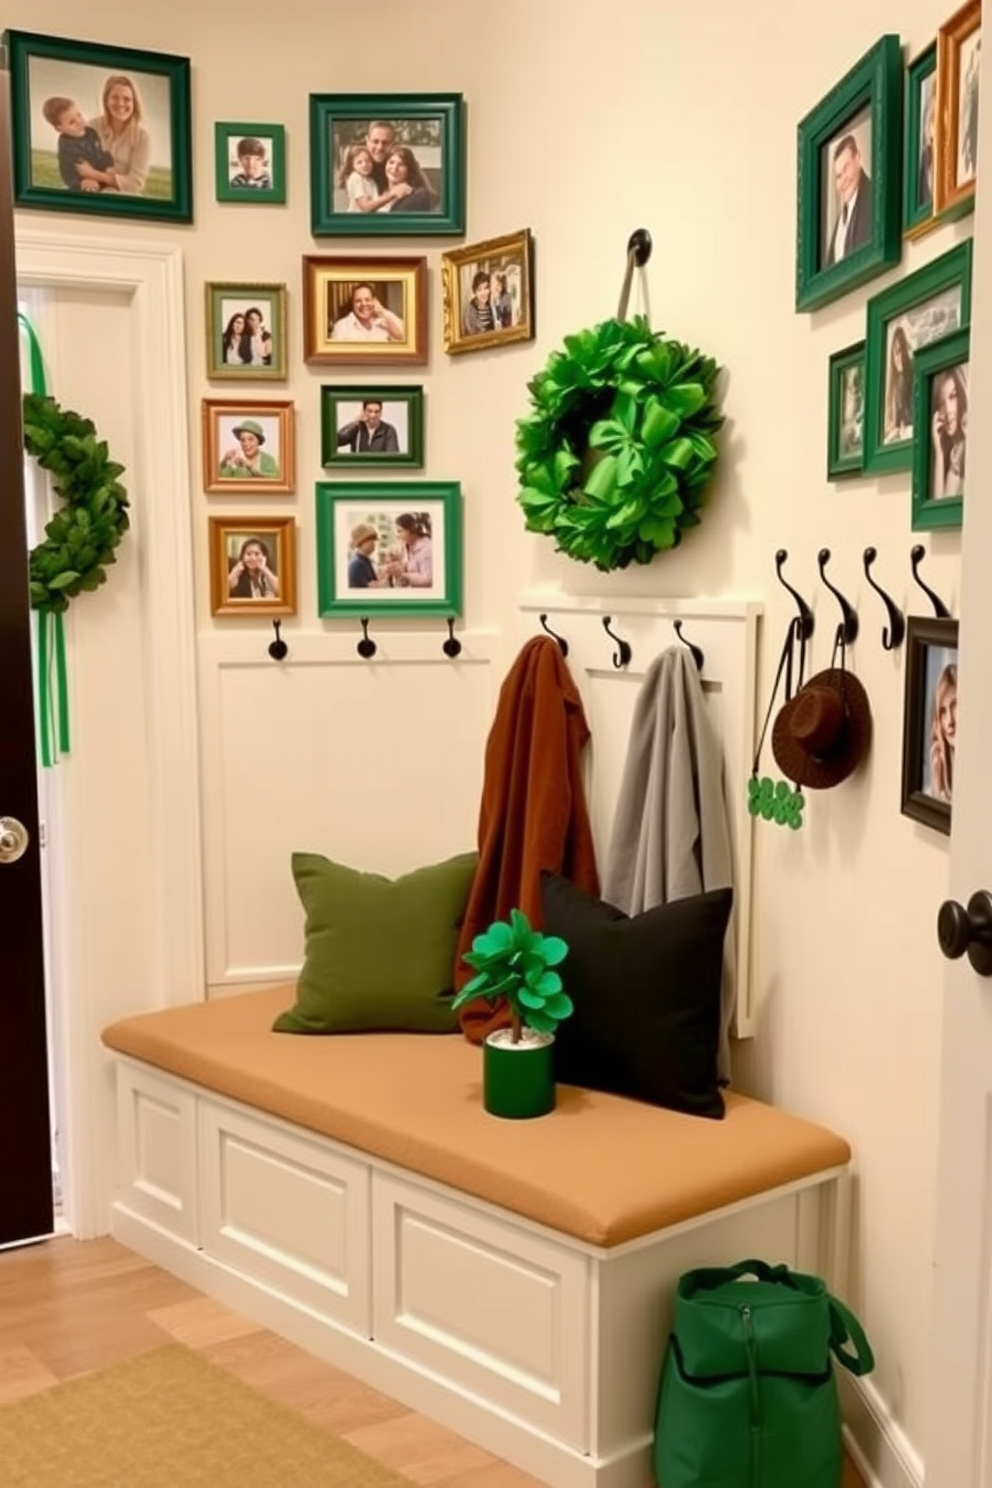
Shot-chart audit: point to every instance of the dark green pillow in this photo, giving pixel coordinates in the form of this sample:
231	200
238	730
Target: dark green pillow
380	952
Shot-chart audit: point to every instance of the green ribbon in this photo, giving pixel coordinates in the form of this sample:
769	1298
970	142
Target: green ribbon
51	637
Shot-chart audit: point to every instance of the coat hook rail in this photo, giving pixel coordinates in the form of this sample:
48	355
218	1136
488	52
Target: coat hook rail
939	607
804	622
697	654
366	647
278	649
622	655
560	639
894	633
452	646
847	630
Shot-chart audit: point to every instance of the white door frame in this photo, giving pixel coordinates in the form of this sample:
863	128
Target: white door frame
152	279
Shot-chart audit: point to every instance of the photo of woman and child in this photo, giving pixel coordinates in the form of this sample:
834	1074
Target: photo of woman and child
387	166
96	132
375	561
942	723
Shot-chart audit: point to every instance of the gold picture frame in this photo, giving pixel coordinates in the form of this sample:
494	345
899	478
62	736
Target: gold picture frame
959	43
248	447
252	585
487	282
364	311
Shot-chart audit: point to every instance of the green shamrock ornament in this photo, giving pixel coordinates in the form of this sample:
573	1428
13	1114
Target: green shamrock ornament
775	801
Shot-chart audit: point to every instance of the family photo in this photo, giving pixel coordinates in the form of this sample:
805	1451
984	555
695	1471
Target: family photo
392	547
246	330
487	293
386	163
252	566
99	129
907	334
846	190
248	447
372	426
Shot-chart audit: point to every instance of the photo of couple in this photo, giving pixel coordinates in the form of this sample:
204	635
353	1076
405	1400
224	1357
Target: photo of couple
99	132
391	553
387	165
245	339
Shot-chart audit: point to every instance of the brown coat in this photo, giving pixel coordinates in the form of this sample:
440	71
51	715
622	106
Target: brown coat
533	812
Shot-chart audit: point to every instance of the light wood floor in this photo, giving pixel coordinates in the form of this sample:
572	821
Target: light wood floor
67	1308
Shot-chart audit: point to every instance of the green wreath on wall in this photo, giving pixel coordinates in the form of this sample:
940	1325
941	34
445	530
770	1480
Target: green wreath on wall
93	516
617	452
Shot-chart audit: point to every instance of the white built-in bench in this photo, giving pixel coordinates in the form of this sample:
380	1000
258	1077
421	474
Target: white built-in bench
511	1279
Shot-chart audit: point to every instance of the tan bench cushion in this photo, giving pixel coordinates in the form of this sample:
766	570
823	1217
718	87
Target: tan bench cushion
601	1168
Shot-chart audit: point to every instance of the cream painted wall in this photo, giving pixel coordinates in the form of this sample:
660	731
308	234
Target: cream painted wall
583	128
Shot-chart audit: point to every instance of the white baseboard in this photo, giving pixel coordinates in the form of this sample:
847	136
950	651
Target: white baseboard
884	1455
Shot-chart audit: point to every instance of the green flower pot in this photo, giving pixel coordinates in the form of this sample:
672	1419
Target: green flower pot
518	1080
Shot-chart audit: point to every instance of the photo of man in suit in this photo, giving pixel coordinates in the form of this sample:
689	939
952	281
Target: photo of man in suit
851	228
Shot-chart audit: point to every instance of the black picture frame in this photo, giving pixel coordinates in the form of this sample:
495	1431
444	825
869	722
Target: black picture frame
149	155
929	740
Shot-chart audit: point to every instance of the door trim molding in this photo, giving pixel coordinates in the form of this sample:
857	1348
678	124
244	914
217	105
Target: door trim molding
152	278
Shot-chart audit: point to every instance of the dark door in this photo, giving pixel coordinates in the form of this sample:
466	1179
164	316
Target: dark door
25	1142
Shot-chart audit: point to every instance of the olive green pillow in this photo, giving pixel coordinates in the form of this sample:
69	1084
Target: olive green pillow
380	952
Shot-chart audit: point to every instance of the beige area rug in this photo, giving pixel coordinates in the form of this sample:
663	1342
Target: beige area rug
170	1419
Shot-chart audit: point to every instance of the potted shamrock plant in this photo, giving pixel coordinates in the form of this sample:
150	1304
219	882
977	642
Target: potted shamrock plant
515	962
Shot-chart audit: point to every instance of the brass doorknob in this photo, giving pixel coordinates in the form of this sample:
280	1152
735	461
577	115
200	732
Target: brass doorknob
968	931
14	839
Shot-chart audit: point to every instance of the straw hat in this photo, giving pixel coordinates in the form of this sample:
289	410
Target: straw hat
822	734
362	533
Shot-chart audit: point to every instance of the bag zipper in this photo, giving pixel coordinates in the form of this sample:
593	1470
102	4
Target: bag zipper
750	1347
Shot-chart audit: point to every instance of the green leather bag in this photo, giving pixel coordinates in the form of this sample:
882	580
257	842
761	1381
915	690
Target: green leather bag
748	1397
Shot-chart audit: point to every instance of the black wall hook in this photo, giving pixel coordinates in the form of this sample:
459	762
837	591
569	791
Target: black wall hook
452	646
623	653
804	623
560	639
939	607
847	630
278	649
366	647
894	633
640	245
697	654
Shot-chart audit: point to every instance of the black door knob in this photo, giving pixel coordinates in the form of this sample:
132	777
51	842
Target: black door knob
961	930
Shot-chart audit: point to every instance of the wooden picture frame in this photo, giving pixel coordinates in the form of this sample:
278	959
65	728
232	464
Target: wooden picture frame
850	156
248	447
489	280
371	426
103	130
239	354
364	311
386	163
251	585
920	145
925	306
250	164
959	43
846	412
941	423
379	541
929	720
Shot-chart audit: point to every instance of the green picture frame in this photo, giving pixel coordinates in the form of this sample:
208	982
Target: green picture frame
371	426
846	412
850	147
101	130
940	389
920	145
387	523
932	303
246	332
250	163
420	191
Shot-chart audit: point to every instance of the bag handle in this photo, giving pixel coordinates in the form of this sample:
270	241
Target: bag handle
845	1328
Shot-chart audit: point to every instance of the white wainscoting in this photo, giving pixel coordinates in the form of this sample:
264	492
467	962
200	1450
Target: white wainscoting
377	764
